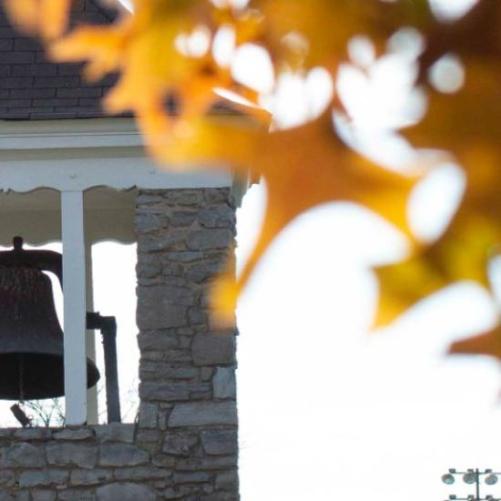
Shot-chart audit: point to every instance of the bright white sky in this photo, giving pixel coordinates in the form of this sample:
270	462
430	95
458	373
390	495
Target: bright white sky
328	412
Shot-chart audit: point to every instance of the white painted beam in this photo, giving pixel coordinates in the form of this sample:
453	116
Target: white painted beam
122	173
74	291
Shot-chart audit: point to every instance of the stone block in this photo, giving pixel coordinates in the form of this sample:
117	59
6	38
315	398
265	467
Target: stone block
38	478
155	309
148	436
180	492
183	218
191	477
224	383
24	455
179	444
148	415
160	370
219	496
146	222
122	455
142	473
76	495
171	392
7	477
203	413
115	432
74	434
90	477
126	491
172	240
72	454
184	256
217	217
201	272
220	442
207	463
43	495
197	316
157	341
148	269
33	433
209	239
185	197
217	195
227	481
210	349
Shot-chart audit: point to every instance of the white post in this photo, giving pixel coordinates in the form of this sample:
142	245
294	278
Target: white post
75	366
90	340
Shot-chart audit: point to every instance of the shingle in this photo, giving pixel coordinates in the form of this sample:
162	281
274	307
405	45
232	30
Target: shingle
54	102
32	93
16	57
15	103
80	92
31	87
6	44
16	82
26	44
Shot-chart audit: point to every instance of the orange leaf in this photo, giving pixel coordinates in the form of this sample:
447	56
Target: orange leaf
47	18
487	343
303	168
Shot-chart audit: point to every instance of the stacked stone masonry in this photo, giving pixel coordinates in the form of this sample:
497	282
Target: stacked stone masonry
184	442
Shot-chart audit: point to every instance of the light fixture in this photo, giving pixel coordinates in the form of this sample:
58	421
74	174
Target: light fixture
448	479
491	479
470	477
473	477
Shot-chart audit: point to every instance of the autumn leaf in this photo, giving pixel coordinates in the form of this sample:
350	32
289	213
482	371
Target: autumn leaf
328	25
47	18
487	343
472	239
143	48
466	124
475	36
462	253
303	167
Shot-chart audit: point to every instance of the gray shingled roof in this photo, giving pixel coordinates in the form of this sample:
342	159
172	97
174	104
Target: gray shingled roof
33	88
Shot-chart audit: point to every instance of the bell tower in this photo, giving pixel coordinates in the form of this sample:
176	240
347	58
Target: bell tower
69	174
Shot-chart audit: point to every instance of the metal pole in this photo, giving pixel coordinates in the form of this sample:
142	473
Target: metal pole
477	482
108	328
109	334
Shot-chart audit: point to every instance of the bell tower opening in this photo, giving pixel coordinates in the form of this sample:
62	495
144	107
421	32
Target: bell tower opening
32	313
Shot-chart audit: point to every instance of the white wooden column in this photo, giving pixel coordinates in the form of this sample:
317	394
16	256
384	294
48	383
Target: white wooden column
90	339
75	370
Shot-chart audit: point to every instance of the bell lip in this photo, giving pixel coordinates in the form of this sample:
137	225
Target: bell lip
93	376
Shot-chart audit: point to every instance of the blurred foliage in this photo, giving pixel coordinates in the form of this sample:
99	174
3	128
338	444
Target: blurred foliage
185	53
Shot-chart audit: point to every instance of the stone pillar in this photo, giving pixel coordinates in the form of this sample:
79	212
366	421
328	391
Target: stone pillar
188	415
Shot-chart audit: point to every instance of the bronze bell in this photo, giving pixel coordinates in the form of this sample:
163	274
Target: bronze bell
31	339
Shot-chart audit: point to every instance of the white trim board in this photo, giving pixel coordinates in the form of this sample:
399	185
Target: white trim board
75	155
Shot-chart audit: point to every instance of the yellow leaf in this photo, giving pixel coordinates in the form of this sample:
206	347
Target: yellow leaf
303	167
462	253
328	25
466	124
47	18
142	47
